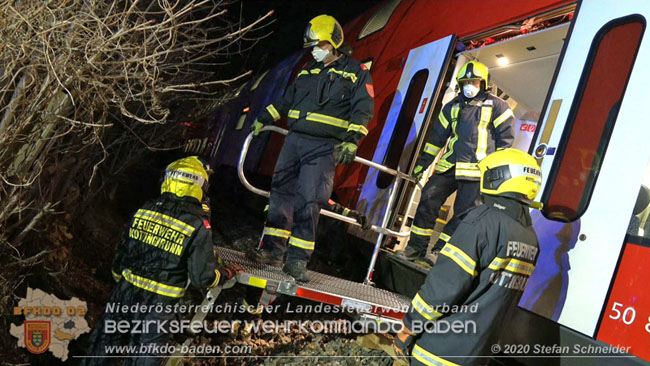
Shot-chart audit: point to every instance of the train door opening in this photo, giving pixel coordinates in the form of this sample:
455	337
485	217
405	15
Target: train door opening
521	70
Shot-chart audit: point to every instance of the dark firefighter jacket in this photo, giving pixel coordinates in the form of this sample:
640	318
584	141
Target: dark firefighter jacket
476	128
332	102
485	267
167	239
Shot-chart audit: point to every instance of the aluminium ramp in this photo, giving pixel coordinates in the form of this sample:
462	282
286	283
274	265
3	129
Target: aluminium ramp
364	299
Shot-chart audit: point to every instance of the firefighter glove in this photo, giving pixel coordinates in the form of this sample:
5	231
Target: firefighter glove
256	127
403	345
418	172
361	219
228	271
346	151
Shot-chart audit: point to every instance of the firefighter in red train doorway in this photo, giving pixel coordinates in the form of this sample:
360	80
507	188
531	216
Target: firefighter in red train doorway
476	123
167	243
328	107
482	271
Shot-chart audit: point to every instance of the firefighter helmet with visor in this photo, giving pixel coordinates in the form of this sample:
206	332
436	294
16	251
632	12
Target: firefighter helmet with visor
474	70
323	28
187	177
511	173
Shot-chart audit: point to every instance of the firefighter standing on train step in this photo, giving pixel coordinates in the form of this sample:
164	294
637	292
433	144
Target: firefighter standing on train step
485	266
328	107
476	123
168	241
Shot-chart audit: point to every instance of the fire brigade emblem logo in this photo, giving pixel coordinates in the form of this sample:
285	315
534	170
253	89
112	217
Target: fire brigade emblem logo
37	336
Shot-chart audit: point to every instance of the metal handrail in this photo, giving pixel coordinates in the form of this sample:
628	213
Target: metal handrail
379	229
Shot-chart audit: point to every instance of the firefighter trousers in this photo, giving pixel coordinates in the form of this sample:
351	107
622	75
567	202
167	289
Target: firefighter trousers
302	184
142	336
439	187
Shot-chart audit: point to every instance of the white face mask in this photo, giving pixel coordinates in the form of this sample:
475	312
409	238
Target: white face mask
470	91
319	54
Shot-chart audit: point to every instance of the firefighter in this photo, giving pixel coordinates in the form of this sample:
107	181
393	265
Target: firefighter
168	241
483	269
328	107
476	123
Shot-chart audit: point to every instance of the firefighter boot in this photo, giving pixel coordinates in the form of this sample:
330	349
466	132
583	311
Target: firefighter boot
415	257
264	257
297	270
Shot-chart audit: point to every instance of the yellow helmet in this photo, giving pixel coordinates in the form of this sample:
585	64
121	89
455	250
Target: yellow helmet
473	70
511	173
323	28
186	177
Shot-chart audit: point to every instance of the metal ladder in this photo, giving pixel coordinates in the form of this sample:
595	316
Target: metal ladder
382	229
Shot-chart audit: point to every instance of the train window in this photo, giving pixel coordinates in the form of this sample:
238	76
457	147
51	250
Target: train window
591	119
259	80
379	20
403	126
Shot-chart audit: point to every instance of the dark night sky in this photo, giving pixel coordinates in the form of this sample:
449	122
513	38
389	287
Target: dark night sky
291	18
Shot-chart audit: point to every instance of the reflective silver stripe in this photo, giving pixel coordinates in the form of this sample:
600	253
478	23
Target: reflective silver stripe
294	114
467	169
443	120
151	285
424	309
461	258
300	243
502	118
329	120
274	112
512	265
272	231
482	139
431	149
421	231
358	128
165	220
430	359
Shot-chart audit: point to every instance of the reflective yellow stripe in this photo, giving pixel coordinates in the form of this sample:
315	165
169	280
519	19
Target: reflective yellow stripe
216	278
445	237
502	118
274	112
347	75
431	149
294	114
304	244
454	121
315	71
346	211
152	286
272	231
443	120
165	220
512	265
482	140
430	359
328	120
257	282
421	231
116	276
424	309
468	173
461	258
303	72
358	128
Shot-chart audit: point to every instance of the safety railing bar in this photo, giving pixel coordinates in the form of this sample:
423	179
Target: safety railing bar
349	220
